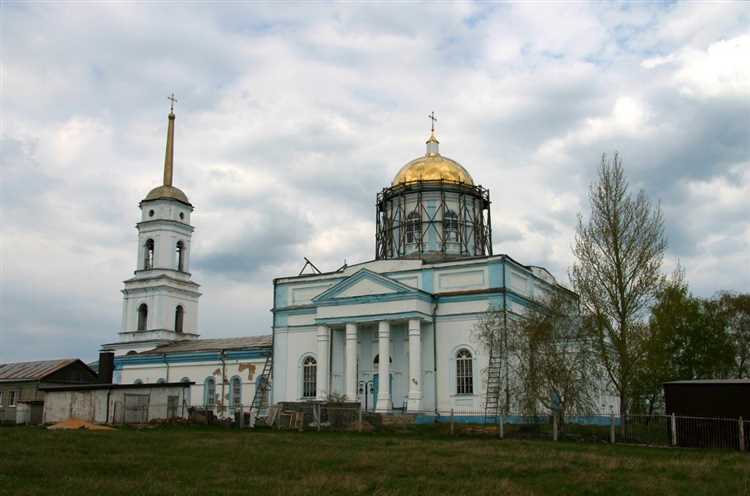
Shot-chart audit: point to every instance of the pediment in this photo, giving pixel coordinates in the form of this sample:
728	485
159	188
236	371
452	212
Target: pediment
363	283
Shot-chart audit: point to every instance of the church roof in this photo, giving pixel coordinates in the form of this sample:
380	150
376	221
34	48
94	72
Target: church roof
433	167
164	191
198	345
32	371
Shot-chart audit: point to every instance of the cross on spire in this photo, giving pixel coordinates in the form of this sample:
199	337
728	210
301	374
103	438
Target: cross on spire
433	119
173	100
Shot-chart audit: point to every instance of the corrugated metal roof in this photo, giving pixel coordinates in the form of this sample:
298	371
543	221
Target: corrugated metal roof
31	371
195	345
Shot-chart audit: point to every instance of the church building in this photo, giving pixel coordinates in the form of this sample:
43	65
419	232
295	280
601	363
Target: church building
159	339
396	333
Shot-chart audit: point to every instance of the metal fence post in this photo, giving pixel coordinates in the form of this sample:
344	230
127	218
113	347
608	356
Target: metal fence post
554	427
612	428
741	425
451	421
359	419
674	430
502	427
317	417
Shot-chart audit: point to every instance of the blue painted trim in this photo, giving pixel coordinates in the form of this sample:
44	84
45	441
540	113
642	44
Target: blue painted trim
428	278
307	310
282	293
495	270
282	318
373	318
212	356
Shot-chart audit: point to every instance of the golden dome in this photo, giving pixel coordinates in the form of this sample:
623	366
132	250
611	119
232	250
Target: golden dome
165	191
433	167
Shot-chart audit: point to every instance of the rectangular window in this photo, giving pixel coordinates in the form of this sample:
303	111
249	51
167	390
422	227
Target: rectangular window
12	398
1	399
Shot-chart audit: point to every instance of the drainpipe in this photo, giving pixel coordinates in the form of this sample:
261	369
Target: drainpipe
434	354
223	375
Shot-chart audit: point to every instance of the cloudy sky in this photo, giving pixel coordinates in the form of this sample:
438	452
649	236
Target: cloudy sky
291	117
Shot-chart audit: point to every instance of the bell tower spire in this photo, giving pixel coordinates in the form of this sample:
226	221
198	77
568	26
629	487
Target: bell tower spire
160	301
169	156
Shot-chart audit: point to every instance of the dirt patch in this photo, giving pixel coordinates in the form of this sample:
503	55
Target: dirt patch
75	424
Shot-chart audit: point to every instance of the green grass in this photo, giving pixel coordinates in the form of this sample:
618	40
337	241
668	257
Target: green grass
207	460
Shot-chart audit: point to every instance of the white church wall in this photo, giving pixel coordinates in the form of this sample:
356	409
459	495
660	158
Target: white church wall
300	342
198	372
454	334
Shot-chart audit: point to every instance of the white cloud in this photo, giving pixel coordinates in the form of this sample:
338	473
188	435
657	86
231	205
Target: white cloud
291	120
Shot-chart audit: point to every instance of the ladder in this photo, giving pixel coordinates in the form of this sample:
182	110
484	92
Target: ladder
262	388
494	380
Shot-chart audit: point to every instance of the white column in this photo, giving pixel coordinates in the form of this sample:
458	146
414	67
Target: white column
324	337
415	366
384	372
350	377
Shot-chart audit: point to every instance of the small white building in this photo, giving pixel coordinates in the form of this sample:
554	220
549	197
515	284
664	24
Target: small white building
116	403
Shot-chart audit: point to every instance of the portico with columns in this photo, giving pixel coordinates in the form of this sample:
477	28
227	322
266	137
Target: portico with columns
360	339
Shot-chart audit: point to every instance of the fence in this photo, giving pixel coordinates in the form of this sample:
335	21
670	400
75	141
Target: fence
653	430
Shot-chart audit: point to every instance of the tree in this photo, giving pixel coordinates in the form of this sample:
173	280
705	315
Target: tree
619	253
552	358
687	339
735	311
547	359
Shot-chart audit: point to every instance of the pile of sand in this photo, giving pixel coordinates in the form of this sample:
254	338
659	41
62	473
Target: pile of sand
75	424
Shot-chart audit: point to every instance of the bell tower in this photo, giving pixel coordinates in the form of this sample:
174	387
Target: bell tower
160	301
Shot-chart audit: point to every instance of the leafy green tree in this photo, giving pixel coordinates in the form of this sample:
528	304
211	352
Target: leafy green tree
686	339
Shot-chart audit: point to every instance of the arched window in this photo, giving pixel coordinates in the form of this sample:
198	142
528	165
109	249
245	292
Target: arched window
148	255
464	372
450	226
413	228
180	256
209	392
142	317
309	377
178	317
376	360
137	381
236	392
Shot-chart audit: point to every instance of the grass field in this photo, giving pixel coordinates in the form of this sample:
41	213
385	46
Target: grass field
205	461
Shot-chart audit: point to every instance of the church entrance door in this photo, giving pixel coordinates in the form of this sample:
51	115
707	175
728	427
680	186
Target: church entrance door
375	382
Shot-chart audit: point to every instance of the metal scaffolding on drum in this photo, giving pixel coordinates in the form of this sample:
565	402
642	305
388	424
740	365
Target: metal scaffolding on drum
455	216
